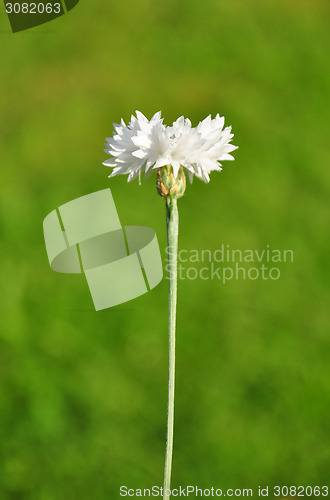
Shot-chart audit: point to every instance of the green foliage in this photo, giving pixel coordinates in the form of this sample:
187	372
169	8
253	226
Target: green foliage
83	394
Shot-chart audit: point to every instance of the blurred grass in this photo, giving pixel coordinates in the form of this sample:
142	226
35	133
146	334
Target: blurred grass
83	394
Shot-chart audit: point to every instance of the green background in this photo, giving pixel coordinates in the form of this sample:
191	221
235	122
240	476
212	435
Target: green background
83	393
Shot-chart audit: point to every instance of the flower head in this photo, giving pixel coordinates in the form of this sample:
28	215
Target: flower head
145	145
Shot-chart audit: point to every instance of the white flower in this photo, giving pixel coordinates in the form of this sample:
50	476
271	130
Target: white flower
146	145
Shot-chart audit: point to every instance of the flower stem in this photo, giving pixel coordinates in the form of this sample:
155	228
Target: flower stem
172	246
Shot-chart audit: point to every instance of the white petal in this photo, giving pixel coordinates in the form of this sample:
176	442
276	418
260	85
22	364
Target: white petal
227	157
139	154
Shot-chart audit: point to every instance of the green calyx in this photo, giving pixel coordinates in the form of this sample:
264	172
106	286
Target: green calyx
169	186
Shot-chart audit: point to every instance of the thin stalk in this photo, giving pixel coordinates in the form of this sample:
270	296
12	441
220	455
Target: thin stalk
172	246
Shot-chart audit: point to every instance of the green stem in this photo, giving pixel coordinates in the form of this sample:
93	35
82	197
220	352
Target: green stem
172	246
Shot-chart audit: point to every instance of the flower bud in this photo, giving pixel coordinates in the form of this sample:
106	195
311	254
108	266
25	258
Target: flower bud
169	186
